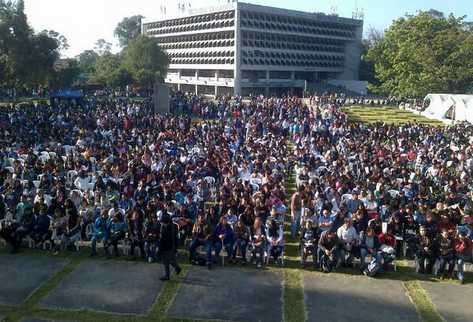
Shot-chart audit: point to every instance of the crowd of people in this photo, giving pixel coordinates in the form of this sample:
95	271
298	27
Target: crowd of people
212	178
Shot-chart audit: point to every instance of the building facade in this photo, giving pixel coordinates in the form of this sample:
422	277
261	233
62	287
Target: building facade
241	48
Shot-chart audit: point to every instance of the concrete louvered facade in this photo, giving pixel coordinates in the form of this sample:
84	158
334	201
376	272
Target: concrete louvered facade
241	48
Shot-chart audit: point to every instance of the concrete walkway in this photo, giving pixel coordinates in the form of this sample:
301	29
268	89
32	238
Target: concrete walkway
229	294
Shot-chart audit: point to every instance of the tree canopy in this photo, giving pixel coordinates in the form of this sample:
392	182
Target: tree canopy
424	53
145	61
128	29
26	58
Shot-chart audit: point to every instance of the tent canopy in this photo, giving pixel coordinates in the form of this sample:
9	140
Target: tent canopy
66	94
445	107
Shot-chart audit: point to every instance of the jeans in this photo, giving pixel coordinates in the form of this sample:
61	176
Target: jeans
137	243
442	263
169	259
41	236
95	239
260	251
347	254
308	251
240	244
364	253
114	239
20	233
150	249
196	243
424	263
296	224
275	251
69	240
461	265
333	261
227	245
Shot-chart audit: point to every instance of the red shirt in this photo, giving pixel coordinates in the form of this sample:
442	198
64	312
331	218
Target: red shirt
387	239
463	247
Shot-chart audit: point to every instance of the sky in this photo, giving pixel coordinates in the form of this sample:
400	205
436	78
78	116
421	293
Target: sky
82	22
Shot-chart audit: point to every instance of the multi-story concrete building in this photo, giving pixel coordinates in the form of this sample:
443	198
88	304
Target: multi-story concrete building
241	48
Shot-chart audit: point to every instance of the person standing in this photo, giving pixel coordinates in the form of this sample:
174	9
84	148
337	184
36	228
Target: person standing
296	207
168	246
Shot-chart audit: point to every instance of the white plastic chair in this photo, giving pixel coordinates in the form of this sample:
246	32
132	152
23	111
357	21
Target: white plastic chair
393	193
71	174
210	180
257	181
346	197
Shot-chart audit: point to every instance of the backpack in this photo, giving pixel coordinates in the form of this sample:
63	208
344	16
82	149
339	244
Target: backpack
372	269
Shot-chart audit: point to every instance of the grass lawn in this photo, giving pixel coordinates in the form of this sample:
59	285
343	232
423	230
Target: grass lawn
366	114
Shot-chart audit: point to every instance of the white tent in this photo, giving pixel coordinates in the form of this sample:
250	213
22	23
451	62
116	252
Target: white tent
449	107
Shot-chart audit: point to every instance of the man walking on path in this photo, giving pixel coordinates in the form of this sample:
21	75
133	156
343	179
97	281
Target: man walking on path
168	246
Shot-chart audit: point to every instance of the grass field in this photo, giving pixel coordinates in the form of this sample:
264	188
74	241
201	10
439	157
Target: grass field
387	114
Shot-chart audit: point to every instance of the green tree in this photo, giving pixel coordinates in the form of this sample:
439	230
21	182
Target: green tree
26	59
109	71
66	75
367	69
87	61
424	53
128	29
145	61
102	47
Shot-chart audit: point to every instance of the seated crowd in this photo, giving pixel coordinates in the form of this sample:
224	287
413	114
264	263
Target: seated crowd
109	171
381	192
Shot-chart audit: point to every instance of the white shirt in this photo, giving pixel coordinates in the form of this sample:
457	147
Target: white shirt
347	235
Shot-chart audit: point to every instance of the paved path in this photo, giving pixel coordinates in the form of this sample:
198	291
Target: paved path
357	298
115	287
453	302
230	294
21	275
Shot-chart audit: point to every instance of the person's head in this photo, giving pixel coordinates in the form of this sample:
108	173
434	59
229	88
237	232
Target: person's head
429	217
135	215
347	222
117	217
223	221
462	235
240	223
200	219
444	233
308	224
166	219
355	194
332	233
369	232
423	231
258	222
444	219
326	212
